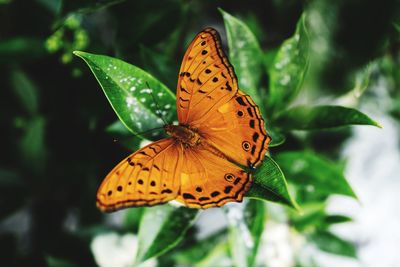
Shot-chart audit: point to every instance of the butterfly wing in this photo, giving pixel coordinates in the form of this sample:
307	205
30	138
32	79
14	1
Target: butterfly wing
206	78
148	177
237	130
208	180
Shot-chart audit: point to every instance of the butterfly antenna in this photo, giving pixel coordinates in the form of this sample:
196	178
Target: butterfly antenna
158	107
148	131
139	134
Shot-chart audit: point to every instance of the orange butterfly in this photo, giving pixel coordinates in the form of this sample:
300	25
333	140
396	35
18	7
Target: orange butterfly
202	164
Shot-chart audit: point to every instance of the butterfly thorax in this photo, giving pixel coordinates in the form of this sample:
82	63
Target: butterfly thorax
184	134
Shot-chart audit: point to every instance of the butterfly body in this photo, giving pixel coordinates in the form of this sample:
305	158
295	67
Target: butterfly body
206	160
187	136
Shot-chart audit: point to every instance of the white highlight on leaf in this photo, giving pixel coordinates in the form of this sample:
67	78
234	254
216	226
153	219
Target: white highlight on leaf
146	90
130	101
285	79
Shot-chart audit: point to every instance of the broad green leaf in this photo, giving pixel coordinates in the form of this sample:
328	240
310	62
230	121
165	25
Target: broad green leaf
162	228
289	67
218	256
313	174
199	250
312	215
321	117
32	145
255	216
26	91
331	243
123	136
132	219
277	138
135	95
270	184
246	224
245	55
240	240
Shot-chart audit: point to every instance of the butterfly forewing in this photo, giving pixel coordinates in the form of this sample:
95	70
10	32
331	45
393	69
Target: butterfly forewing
148	177
206	79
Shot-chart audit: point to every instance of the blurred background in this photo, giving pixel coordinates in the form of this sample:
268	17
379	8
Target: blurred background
57	143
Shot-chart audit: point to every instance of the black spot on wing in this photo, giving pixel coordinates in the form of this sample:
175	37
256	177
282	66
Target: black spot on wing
166	191
251	124
228	189
255	136
240	101
250	112
188	196
215	193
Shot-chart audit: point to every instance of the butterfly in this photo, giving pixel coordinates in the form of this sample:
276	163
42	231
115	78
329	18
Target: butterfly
207	159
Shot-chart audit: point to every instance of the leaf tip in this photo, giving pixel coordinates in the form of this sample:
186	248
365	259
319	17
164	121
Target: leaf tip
377	124
221	10
77	53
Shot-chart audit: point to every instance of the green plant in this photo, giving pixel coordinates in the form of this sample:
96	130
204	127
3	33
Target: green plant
312	178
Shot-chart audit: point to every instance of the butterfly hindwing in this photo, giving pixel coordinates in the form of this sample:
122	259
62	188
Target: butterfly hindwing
148	177
237	130
206	79
208	180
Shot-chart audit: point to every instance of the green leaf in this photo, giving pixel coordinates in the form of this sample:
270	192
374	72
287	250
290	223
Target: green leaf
32	144
255	216
289	67
127	89
331	243
335	219
245	55
270	184
199	250
246	225
162	228
321	117
26	91
312	215
217	256
240	240
132	219
277	138
123	136
314	174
